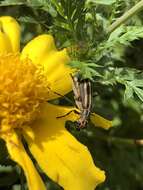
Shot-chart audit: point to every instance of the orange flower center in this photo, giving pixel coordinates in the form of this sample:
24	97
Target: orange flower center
23	90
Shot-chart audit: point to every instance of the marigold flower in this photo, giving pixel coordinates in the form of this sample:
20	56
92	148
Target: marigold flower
27	81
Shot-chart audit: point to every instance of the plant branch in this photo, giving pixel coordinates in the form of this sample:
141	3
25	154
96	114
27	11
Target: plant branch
136	8
127	141
119	140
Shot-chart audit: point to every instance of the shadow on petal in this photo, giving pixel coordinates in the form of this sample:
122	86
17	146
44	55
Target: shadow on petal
60	155
19	155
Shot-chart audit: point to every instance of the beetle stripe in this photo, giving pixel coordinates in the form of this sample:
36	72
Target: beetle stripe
82	95
76	90
85	91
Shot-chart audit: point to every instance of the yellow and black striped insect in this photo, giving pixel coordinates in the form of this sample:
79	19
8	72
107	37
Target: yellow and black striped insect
82	96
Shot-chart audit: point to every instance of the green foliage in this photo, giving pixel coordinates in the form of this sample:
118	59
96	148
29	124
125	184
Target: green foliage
102	2
112	61
132	80
86	70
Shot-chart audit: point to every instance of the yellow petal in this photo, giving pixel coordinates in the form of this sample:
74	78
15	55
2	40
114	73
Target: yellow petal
58	72
41	50
19	155
60	155
99	121
5	45
38	48
11	28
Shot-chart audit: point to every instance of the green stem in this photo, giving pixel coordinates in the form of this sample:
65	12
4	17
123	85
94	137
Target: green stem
125	16
119	140
124	141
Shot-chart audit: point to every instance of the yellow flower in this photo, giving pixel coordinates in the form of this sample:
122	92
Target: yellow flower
27	81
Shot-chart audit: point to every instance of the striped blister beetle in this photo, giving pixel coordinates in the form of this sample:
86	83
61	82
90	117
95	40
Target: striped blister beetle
82	96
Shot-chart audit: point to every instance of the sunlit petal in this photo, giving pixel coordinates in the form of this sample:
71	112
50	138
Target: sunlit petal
5	45
58	73
19	155
60	155
11	28
99	121
38	48
41	50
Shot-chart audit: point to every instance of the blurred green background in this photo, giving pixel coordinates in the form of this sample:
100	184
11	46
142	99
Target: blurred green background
82	24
